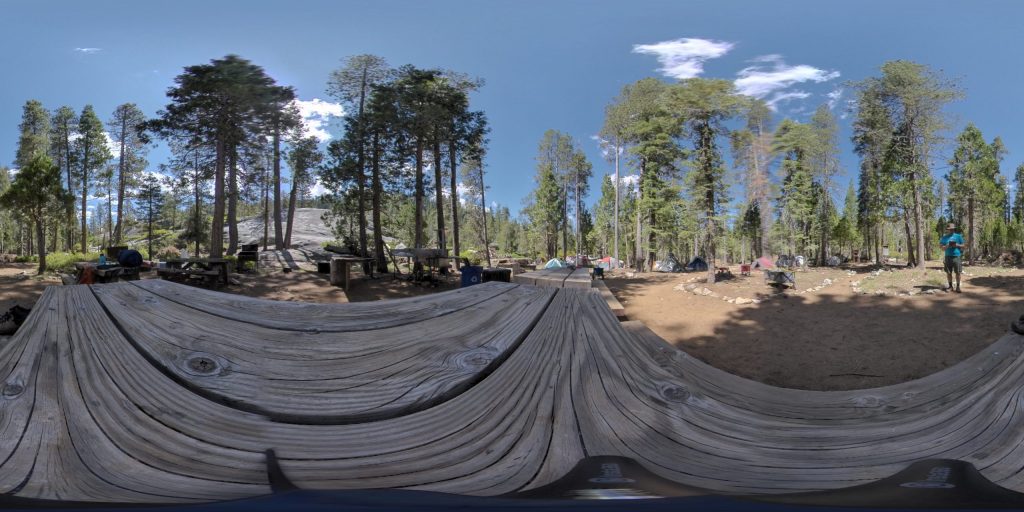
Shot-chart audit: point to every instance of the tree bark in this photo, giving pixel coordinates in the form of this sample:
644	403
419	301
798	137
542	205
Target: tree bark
452	169
378	232
918	218
970	228
483	211
278	235
232	199
439	195
292	196
217	226
266	207
41	243
85	193
418	221
121	171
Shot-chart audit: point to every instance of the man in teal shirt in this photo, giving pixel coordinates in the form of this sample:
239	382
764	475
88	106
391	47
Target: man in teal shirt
952	242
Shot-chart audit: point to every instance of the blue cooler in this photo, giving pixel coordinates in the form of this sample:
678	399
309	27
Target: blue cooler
471	274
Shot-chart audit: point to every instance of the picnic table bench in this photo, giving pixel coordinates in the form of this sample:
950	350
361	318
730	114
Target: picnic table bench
210	270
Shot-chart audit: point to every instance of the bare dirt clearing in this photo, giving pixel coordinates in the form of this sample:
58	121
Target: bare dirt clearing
834	337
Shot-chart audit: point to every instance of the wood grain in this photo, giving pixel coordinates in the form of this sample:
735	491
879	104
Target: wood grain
153	392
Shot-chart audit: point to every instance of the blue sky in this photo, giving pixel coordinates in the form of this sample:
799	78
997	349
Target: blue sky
548	64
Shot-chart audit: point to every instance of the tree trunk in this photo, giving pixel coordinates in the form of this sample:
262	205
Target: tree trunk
361	185
266	207
970	229
918	218
378	232
70	229
85	195
452	168
278	235
565	220
41	243
911	261
121	178
418	221
199	200
217	226
483	211
292	197
439	195
151	215
232	199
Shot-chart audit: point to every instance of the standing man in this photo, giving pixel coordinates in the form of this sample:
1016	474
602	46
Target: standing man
952	242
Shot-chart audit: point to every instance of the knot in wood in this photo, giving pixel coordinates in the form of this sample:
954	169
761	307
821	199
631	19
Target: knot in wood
675	394
203	364
12	389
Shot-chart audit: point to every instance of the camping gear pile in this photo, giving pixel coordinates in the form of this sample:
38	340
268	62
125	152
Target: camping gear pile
670	264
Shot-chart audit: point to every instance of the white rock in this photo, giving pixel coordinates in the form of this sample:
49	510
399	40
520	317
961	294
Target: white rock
679	287
826	282
744	300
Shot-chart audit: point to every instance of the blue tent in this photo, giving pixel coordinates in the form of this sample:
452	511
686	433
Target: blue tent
697	263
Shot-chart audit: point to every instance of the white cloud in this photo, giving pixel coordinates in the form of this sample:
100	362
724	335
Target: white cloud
786	96
316	113
632	181
684	58
318	189
759	81
114	147
605	146
88	51
834	96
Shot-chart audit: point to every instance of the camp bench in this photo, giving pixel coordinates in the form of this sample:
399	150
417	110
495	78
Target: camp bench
780	278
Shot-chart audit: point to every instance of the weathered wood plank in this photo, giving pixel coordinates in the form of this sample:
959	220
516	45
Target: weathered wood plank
613	304
97	404
325	377
307	317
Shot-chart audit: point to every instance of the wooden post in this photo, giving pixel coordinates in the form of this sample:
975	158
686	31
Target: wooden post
339	273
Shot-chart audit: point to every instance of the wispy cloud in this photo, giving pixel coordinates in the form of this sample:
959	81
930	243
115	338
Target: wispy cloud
783	97
316	113
762	81
88	51
605	146
834	96
684	58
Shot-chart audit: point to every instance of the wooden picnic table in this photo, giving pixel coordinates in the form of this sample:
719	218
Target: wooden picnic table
176	393
557	278
340	266
211	269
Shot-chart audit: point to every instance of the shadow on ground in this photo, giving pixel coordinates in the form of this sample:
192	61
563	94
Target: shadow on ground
832	339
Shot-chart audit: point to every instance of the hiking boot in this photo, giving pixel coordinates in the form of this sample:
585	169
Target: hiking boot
958	289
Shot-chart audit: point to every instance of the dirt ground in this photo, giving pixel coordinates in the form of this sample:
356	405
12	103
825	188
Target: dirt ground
18	285
863	329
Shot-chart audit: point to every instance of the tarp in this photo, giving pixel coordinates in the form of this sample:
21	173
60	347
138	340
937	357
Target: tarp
669	264
554	263
697	263
762	262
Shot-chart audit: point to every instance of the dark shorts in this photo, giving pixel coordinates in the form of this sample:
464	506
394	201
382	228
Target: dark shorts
953	264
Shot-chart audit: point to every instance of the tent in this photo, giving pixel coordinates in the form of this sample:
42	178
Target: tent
668	265
697	263
762	263
554	263
608	263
